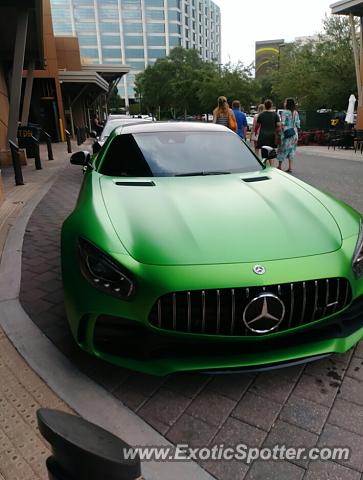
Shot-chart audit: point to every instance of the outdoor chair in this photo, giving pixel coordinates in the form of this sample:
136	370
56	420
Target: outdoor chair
358	141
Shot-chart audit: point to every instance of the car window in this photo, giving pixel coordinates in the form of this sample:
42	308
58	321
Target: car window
164	154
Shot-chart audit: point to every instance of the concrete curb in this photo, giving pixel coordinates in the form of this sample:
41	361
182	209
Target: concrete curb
82	394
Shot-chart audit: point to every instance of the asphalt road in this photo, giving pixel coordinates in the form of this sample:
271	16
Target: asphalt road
341	177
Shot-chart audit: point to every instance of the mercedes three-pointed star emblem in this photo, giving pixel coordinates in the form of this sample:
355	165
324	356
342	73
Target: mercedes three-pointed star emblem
259	269
264	313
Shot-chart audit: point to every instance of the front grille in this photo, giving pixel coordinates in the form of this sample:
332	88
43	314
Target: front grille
220	311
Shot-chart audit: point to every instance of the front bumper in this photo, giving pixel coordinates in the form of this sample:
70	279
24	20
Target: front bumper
132	345
128	339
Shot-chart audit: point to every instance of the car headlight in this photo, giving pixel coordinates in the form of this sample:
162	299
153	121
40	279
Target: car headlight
103	272
357	263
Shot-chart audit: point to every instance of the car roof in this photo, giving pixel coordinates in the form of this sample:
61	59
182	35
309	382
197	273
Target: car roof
149	127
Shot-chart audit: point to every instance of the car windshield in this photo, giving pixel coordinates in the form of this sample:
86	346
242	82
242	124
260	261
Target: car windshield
168	154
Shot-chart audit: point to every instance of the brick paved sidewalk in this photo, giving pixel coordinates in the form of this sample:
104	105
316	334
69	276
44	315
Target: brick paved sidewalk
318	404
23	451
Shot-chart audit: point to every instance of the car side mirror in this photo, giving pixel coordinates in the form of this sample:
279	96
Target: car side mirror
93	134
268	153
80	158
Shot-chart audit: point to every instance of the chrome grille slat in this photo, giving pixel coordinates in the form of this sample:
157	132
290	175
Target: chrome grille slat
233	319
316	294
220	311
303	308
326	297
291	304
337	296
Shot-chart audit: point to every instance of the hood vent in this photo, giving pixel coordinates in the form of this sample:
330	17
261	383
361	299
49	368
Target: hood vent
255	179
148	183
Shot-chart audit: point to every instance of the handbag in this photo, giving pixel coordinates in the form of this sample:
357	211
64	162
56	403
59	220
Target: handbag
290	132
231	123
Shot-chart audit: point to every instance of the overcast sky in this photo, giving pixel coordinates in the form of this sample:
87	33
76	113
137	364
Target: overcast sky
244	22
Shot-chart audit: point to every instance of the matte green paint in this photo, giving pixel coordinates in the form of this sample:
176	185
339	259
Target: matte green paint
192	233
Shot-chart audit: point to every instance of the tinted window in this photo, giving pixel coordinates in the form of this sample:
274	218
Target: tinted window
164	154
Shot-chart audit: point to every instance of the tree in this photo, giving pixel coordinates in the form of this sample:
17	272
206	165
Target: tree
115	102
319	73
182	83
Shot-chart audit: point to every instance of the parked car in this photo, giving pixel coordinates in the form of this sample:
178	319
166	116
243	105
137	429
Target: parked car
175	258
114	121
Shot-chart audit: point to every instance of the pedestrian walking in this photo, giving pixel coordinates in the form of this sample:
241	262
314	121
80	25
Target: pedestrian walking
256	128
269	127
241	119
289	135
223	115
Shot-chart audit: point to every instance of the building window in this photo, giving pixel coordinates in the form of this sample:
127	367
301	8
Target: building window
154	14
136	65
175	41
112	40
134	53
112	53
155	28
132	27
109	27
87	40
154	3
132	15
153	40
136	40
174	4
174	15
174	28
156	52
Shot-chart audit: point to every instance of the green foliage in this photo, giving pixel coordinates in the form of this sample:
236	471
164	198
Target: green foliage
115	102
182	83
320	73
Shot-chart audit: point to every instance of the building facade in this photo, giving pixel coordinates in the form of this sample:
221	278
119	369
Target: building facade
137	32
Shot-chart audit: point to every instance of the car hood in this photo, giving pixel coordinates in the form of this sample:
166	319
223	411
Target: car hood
218	219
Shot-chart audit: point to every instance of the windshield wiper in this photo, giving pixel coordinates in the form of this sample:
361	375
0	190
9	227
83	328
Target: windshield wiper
195	174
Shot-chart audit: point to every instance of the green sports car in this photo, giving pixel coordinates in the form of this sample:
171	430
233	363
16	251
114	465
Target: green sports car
186	252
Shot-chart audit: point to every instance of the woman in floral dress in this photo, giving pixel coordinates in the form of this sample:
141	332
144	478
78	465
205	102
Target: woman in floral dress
290	121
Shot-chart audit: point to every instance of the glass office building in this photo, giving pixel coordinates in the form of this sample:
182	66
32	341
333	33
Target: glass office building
137	32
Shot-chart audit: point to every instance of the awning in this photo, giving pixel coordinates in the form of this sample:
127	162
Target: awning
9	12
83	77
345	7
109	72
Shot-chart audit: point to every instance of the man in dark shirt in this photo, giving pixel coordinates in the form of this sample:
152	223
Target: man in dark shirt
240	118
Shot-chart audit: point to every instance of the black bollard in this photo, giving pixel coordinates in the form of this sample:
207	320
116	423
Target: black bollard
79	136
16	163
38	163
69	145
48	139
84	451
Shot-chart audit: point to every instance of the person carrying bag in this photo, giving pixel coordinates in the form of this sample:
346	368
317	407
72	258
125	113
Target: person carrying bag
223	115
